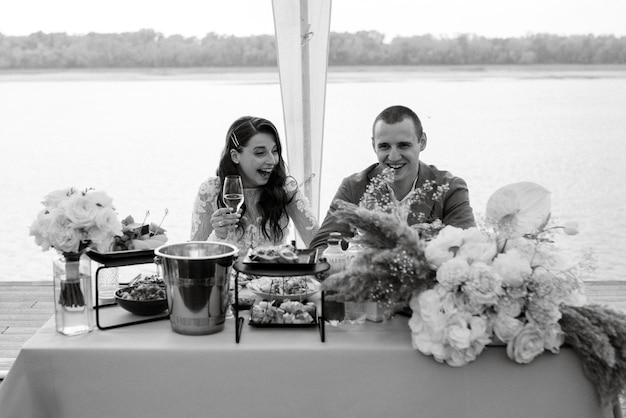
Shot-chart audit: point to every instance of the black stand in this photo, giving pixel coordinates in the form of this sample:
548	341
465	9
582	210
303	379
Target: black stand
316	269
139	257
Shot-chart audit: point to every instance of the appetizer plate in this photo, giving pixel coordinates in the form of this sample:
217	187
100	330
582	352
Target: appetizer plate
278	288
306	259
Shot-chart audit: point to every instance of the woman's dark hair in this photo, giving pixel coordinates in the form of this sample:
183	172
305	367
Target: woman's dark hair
273	198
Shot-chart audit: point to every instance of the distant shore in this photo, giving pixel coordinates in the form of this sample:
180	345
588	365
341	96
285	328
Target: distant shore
335	73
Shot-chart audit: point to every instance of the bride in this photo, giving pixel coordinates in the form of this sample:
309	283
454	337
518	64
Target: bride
271	197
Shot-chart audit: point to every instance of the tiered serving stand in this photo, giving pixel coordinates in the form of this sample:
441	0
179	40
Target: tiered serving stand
120	259
316	269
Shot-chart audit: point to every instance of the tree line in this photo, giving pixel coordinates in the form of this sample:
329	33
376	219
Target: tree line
150	49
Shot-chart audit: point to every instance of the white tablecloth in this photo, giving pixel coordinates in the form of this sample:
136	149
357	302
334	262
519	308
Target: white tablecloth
147	370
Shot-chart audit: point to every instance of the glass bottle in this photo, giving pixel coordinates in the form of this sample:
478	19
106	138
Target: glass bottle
355	312
334	309
334	254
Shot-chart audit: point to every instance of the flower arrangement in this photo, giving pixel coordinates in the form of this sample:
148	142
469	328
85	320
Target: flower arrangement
391	265
71	221
504	282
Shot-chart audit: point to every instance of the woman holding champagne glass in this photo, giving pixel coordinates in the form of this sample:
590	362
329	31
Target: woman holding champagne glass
258	213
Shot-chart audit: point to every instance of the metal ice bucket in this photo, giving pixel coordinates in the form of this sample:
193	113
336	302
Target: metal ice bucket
197	279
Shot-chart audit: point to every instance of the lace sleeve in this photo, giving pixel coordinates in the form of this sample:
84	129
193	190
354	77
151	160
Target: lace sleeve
300	212
203	208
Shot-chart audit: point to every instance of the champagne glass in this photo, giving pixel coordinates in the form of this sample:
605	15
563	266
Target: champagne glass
232	194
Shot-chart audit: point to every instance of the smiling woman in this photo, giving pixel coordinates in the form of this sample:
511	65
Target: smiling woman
271	199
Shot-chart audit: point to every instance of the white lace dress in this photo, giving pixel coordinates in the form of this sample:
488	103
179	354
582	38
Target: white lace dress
298	210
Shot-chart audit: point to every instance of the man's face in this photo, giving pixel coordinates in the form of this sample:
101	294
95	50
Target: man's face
398	147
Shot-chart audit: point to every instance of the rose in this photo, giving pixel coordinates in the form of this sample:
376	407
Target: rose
554	338
458	334
427	340
480	331
506	327
510	305
427	323
53	199
106	226
543	311
477	246
61	235
71	220
432	305
100	199
81	210
443	247
39	229
527	344
512	267
453	273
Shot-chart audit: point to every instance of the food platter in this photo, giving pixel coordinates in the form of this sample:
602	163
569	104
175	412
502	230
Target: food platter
305	259
288	314
140	307
292	288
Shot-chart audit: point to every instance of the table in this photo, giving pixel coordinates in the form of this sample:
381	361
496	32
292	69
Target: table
368	370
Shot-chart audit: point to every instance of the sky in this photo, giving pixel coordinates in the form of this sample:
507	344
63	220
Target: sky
447	18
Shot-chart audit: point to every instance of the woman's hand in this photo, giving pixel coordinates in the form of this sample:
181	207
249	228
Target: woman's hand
223	221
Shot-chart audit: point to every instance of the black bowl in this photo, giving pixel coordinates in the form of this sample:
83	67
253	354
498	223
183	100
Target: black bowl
141	307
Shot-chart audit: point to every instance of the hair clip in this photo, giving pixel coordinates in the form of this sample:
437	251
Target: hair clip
233	138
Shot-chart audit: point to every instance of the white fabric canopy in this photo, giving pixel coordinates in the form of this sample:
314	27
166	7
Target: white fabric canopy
302	32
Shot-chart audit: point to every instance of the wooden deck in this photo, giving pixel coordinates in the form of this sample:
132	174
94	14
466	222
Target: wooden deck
26	306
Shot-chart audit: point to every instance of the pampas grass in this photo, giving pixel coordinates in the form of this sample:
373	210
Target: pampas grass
390	269
598	335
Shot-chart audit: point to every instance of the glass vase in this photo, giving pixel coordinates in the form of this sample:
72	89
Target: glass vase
72	294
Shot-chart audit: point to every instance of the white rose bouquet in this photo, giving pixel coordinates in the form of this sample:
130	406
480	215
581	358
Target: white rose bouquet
504	282
71	221
505	277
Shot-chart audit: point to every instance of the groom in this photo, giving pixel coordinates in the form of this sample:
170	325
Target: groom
398	139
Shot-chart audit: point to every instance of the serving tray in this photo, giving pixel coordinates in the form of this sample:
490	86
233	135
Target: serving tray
307	259
122	258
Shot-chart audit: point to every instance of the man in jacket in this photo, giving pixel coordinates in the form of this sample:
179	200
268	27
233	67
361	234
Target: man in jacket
397	139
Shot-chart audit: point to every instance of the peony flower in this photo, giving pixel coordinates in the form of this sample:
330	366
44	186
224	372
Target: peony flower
527	344
484	286
453	273
512	267
477	246
519	209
